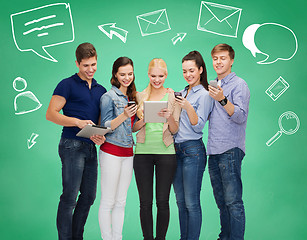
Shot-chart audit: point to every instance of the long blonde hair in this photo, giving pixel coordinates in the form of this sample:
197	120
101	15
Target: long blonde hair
154	63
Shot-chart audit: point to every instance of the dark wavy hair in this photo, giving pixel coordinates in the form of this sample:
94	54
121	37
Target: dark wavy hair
199	61
131	90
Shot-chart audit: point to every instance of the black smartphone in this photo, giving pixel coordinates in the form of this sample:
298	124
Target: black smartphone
177	94
130	103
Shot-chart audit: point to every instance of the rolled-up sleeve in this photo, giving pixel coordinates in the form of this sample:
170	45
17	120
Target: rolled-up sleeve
240	100
204	108
106	109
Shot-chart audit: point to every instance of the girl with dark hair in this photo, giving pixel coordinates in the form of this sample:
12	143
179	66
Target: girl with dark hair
200	63
131	90
191	156
116	154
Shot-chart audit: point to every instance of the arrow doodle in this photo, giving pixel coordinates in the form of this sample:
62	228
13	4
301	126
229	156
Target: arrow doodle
31	140
179	36
109	29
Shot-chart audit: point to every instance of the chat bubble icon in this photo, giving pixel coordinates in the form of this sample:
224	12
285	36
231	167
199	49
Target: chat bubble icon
275	41
39	28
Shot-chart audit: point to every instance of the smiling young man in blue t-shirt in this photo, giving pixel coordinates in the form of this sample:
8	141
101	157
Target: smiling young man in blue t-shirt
79	98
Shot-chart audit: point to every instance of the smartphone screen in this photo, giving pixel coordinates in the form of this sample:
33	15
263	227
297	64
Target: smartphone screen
177	94
130	103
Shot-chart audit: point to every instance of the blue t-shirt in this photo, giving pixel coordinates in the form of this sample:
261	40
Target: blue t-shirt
81	102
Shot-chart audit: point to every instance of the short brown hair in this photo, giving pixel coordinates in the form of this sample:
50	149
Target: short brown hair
84	51
224	47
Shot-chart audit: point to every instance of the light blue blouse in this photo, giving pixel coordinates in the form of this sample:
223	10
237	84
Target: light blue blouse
202	103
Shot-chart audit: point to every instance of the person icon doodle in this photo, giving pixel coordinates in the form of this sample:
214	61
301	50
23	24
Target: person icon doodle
26	101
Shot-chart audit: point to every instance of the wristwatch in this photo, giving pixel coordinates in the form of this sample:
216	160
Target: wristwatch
223	102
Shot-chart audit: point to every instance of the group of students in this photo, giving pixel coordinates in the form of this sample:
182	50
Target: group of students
173	152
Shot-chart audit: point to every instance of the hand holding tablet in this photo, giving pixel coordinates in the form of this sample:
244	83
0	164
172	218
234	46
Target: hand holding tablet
91	130
165	113
152	111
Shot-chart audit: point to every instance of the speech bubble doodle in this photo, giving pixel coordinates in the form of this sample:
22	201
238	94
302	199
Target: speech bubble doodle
277	43
36	29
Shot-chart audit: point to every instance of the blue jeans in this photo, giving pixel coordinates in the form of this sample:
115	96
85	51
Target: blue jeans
79	173
225	175
191	163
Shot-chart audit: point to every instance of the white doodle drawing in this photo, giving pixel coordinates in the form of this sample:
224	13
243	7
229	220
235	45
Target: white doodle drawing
248	40
24	102
153	22
39	28
31	140
219	19
109	29
288	123
179	36
277	88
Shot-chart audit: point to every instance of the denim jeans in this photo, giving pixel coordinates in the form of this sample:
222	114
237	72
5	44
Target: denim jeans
79	174
164	166
191	163
225	175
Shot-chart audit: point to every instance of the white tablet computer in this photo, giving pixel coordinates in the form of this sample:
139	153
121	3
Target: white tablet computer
90	130
151	109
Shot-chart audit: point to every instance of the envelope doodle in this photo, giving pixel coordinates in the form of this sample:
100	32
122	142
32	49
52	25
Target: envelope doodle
219	19
153	22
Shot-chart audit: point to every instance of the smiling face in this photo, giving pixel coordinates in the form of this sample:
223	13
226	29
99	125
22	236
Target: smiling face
157	77
125	76
191	72
222	63
87	68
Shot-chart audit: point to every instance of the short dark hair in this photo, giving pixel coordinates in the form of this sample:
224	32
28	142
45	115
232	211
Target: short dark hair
224	47
84	51
199	61
131	90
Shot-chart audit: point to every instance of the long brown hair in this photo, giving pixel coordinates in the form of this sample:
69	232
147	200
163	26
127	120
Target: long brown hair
199	61
131	90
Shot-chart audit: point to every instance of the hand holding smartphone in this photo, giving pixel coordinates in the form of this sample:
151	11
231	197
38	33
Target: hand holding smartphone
130	109
130	103
213	83
177	94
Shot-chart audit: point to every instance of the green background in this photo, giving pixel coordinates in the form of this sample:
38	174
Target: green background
274	177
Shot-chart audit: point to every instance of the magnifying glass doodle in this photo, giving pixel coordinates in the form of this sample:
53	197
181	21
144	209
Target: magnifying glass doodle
288	124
